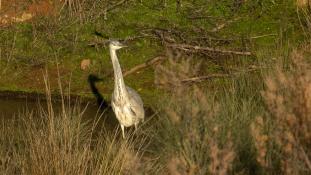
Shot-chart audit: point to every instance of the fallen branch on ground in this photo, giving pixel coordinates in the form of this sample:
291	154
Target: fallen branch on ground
201	78
191	48
206	77
136	68
261	36
149	62
106	41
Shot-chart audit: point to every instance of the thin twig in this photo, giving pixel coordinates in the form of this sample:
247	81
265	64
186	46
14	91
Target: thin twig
262	36
303	154
305	158
106	10
199	17
116	5
191	48
206	77
201	78
232	39
223	25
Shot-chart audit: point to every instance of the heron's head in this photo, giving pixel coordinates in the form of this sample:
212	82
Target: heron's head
115	45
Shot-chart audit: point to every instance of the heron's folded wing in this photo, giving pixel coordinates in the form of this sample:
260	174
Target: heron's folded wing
134	96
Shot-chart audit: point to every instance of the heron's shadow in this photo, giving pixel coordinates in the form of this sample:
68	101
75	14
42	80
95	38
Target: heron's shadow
105	111
101	102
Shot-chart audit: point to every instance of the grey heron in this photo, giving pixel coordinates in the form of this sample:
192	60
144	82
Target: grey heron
125	102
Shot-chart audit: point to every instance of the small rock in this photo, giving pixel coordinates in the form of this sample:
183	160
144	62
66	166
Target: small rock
26	16
4	21
85	64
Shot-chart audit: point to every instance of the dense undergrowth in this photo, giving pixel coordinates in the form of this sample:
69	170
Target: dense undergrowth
252	116
249	126
78	30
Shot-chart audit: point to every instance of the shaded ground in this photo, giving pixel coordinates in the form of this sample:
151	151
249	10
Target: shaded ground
36	38
14	11
237	44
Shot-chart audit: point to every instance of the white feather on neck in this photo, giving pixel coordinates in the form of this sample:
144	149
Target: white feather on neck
120	91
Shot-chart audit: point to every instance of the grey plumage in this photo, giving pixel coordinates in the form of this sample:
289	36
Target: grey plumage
126	102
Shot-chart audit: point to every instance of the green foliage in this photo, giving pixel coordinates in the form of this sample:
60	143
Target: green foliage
66	38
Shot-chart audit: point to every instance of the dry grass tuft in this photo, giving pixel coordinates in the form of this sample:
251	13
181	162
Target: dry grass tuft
261	141
195	133
288	99
62	142
74	6
303	3
170	76
221	158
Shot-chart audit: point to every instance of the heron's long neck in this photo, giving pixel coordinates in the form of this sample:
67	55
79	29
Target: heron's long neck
119	84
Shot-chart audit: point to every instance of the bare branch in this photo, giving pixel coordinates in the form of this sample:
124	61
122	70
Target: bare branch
262	36
116	5
201	78
217	75
199	17
109	8
149	62
106	41
191	48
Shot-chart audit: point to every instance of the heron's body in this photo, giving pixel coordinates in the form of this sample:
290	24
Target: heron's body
126	103
131	112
